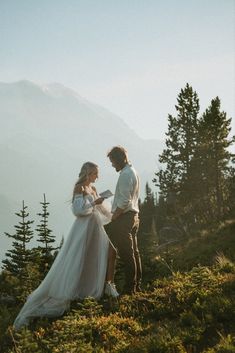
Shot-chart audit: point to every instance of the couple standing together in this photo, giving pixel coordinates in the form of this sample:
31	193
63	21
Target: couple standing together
85	265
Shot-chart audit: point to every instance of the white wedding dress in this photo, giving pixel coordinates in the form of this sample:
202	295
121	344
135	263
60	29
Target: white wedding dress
79	269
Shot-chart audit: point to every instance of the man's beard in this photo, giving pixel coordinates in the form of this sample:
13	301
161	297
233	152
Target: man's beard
118	168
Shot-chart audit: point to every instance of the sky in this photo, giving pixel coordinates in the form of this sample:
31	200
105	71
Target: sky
132	57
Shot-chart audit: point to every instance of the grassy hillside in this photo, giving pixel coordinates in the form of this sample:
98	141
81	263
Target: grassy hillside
203	248
189	309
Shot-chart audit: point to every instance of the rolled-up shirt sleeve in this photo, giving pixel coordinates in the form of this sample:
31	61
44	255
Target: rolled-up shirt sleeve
82	206
125	186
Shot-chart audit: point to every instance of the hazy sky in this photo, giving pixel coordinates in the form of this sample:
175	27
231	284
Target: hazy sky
132	57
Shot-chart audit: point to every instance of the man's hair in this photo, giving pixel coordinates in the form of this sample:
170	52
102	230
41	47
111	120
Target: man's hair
118	154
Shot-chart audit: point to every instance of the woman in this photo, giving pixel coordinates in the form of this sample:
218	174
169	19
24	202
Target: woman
85	260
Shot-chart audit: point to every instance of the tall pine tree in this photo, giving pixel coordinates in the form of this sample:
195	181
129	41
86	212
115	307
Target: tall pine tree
175	176
213	159
198	164
180	144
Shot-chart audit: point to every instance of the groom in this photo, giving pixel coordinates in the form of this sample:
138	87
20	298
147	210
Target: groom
123	228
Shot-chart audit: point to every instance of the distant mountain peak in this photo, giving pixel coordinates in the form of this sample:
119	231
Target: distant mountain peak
20	83
58	90
54	89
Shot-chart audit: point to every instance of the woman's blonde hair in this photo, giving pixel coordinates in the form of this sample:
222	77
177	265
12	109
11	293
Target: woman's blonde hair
86	170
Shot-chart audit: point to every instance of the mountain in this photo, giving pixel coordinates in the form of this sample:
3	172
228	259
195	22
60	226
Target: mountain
48	131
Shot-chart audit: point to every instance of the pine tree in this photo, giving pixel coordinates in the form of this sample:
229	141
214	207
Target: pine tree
161	212
180	144
18	259
147	236
46	238
147	210
231	198
213	159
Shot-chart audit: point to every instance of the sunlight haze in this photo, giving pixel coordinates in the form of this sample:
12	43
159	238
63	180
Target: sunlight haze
130	57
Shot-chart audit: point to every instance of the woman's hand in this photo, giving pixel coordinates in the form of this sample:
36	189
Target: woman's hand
99	201
85	191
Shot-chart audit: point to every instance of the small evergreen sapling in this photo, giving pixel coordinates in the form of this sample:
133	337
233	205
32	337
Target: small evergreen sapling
46	238
19	257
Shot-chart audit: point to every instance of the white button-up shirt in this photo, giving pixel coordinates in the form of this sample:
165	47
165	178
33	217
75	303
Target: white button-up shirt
127	190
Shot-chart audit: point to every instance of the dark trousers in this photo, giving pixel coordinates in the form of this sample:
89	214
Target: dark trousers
123	234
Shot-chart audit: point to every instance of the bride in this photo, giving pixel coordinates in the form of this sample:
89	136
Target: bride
84	263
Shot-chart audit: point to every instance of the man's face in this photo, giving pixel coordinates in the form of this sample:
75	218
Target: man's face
115	164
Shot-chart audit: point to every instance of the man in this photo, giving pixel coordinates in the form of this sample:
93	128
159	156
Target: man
125	220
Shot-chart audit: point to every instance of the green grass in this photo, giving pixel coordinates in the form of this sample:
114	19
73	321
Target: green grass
203	248
186	312
189	308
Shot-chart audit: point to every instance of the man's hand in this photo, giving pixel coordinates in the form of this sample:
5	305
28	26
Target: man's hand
117	213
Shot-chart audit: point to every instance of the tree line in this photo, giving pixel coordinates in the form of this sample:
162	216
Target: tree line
196	180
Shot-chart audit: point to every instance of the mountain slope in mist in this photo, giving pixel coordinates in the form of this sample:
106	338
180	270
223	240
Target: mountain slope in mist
47	132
